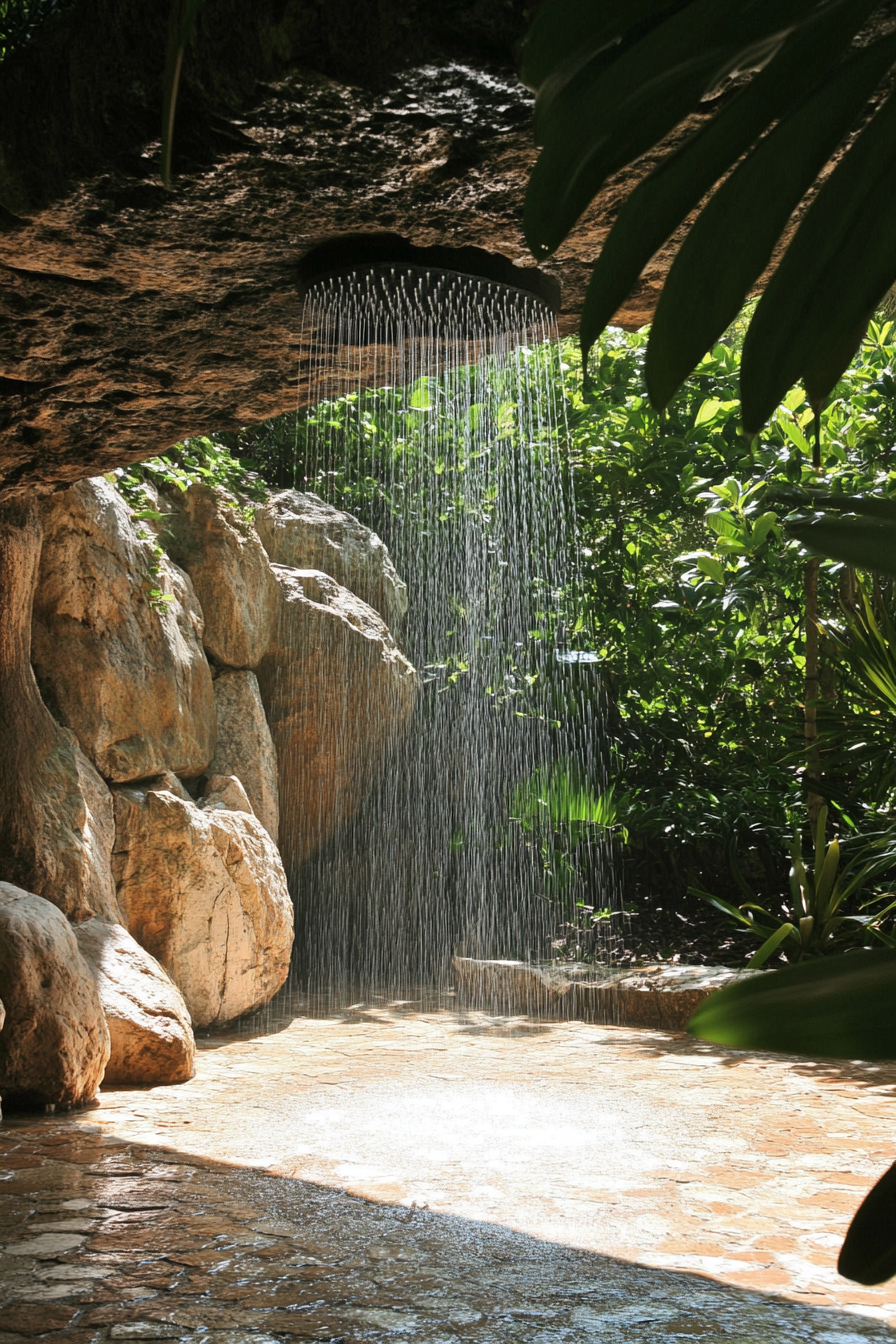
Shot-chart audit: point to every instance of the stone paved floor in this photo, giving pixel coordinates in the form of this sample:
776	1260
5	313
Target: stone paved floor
407	1174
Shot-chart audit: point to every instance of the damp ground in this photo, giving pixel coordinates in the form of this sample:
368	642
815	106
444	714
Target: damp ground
407	1173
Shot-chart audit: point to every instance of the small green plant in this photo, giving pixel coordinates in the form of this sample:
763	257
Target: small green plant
814	923
196	460
21	19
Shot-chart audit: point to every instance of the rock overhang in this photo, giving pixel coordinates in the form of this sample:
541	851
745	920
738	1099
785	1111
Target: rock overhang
133	316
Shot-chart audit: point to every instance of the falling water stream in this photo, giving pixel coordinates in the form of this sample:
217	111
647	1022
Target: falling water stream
434	417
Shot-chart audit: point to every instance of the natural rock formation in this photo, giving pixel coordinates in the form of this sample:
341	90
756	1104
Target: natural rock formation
205	893
245	747
226	794
662	996
131	316
207	534
56	827
55	1042
122	667
337	690
303	532
149	1026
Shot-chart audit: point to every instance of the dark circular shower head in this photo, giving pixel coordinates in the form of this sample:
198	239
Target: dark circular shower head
370	304
380	252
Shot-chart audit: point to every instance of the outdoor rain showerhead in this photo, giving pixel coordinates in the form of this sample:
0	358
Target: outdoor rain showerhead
381	252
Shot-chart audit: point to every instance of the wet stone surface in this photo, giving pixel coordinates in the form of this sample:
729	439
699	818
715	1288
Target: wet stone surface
408	1174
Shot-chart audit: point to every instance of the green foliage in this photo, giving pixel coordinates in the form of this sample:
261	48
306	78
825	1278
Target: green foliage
868	1254
840	1007
182	25
691	594
195	461
613	81
813	922
20	21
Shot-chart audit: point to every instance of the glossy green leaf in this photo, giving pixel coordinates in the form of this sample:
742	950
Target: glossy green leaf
664	199
731	243
762	954
839	263
869	543
566	33
868	1254
844	1007
604	117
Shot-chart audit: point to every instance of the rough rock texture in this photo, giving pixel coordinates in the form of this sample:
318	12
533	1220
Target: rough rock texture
124	671
245	747
131	316
337	691
207	535
303	532
55	1042
149	1026
205	893
659	996
56	828
226	793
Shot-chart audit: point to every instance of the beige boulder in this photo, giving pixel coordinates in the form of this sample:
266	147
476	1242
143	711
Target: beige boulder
55	1043
338	692
245	746
117	640
204	892
208	536
226	794
56	826
151	1036
303	532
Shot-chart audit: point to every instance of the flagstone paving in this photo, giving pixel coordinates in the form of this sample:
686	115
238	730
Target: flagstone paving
407	1173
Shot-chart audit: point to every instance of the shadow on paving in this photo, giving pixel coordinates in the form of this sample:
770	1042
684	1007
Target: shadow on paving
294	1002
103	1240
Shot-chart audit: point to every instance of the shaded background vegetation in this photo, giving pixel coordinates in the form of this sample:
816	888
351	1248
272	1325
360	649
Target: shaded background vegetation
690	604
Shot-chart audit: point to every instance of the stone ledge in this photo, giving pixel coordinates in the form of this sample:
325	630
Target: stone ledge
660	996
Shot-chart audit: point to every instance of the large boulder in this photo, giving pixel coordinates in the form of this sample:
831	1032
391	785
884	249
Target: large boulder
117	640
55	1043
205	893
303	532
149	1027
337	691
208	535
245	746
56	826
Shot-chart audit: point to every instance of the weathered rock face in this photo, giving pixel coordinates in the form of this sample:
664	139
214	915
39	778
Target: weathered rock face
55	1043
157	341
226	793
303	532
205	893
56	828
151	1036
337	691
125	671
245	747
208	536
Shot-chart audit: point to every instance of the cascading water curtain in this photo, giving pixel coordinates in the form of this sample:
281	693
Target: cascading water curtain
434	418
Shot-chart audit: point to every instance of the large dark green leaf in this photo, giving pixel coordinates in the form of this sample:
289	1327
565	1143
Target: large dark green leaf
566	33
604	116
844	1007
869	543
732	241
664	199
868	1254
838	266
